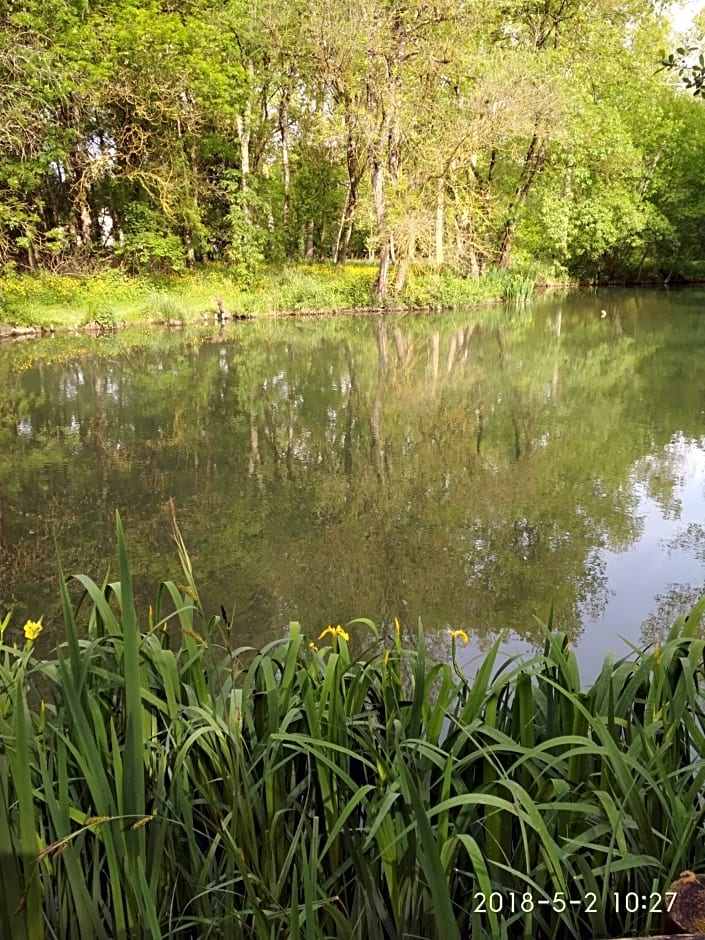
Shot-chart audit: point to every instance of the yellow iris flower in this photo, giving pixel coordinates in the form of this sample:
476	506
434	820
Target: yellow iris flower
32	629
335	631
459	635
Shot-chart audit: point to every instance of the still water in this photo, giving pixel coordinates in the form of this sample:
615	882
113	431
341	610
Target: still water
465	468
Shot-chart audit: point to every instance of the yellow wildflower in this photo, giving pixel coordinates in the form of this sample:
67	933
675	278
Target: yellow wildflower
312	646
32	629
459	635
397	626
337	631
657	654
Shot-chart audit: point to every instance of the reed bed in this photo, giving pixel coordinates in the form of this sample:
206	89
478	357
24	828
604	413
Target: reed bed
156	782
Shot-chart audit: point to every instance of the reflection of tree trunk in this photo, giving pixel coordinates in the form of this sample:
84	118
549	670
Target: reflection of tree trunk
271	429
511	397
382	345
479	414
557	328
400	344
347	437
451	353
499	336
377	451
467	339
517	434
290	446
376	448
435	357
255	461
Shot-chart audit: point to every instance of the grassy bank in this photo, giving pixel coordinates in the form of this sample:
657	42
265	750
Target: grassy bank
112	298
155	780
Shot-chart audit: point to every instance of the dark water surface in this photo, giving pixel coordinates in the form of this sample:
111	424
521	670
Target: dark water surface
464	468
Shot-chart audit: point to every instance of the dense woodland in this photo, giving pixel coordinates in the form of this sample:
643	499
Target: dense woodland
512	133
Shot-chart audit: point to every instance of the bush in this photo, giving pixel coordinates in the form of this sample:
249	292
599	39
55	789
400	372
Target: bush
152	251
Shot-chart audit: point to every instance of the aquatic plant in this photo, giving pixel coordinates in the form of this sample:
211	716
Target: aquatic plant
158	780
518	288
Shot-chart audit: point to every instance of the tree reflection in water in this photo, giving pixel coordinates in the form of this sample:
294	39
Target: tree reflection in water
464	468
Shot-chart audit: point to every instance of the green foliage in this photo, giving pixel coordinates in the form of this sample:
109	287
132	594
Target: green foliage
246	237
39	300
160	138
426	287
101	314
148	246
691	72
165	783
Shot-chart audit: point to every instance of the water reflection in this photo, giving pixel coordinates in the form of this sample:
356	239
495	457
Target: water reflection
463	468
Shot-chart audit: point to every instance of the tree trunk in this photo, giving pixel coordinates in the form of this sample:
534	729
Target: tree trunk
533	163
382	279
355	170
400	276
440	206
565	220
338	247
244	133
286	172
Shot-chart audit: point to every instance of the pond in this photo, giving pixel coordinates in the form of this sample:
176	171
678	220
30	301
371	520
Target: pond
465	468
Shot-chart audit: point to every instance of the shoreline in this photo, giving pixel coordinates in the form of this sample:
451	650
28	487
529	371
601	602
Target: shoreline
185	305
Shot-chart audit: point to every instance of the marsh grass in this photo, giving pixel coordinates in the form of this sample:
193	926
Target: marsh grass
111	297
446	288
165	308
156	782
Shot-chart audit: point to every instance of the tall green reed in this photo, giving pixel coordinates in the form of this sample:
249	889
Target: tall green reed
165	784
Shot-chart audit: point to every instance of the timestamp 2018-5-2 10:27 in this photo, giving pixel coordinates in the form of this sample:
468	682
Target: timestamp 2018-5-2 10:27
512	902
